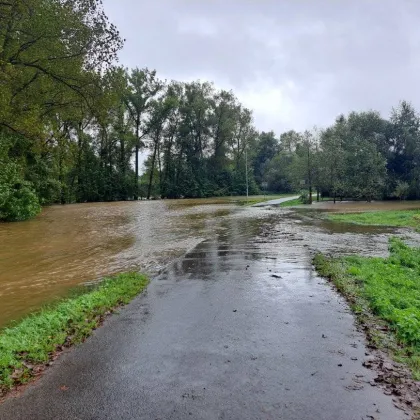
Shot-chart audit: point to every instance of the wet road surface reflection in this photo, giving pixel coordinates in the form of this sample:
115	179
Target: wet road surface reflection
238	328
42	259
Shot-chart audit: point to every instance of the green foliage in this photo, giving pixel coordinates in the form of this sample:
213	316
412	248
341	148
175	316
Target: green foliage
392	286
402	190
290	203
18	200
78	121
266	148
305	197
50	57
201	143
389	286
35	339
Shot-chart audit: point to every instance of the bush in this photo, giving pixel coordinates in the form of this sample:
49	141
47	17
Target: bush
18	200
304	197
401	190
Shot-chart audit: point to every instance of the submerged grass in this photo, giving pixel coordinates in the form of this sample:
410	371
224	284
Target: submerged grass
388	288
397	218
33	342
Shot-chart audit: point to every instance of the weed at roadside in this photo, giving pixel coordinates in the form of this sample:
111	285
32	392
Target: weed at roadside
387	287
33	341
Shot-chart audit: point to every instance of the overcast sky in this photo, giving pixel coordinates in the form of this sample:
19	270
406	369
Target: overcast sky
295	63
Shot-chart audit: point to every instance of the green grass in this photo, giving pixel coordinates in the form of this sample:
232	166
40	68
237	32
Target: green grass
388	288
397	218
34	340
290	203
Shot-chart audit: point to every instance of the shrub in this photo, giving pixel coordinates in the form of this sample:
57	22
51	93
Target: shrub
18	200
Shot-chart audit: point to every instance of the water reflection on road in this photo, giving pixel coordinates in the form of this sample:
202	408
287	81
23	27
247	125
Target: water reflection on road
43	259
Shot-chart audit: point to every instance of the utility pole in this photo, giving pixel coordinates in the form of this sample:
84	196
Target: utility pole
246	172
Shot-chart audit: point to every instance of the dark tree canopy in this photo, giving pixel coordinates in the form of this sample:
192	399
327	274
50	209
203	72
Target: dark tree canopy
73	127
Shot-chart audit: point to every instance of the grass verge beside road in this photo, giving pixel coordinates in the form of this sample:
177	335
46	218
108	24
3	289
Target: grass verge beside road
386	290
397	218
290	203
28	346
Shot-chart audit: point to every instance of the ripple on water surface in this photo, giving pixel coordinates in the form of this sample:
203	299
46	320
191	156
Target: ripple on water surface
69	245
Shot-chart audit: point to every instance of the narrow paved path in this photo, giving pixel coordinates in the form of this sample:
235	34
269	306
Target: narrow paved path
241	328
276	202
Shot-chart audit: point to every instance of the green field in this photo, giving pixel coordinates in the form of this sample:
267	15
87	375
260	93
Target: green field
295	202
397	218
389	288
33	341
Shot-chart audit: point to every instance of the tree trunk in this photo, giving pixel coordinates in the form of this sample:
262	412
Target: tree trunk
136	176
123	194
79	162
61	176
160	171
309	175
149	190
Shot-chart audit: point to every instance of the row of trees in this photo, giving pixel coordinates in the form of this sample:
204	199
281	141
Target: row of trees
74	127
56	77
361	156
206	144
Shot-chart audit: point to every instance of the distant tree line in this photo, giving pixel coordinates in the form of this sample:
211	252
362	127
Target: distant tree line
361	156
74	127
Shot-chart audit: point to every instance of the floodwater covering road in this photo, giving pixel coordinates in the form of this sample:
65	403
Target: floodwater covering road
42	259
276	202
238	328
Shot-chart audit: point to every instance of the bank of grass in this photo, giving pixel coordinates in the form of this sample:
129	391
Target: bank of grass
27	346
290	203
388	288
397	218
299	202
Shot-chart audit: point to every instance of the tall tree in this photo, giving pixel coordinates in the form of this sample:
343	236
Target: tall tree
142	89
50	54
404	159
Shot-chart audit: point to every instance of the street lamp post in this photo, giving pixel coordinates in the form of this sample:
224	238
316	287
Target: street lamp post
246	173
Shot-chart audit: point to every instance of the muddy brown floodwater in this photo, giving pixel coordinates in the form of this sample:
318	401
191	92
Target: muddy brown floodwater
240	327
42	259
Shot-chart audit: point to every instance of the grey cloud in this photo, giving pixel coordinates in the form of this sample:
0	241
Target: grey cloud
338	55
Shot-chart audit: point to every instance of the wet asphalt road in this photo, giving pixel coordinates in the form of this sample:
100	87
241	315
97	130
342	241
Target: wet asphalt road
241	328
276	202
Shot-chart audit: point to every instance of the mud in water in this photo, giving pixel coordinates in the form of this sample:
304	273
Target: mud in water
242	311
42	259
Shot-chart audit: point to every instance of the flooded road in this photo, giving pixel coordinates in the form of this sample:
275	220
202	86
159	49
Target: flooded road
42	259
240	327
